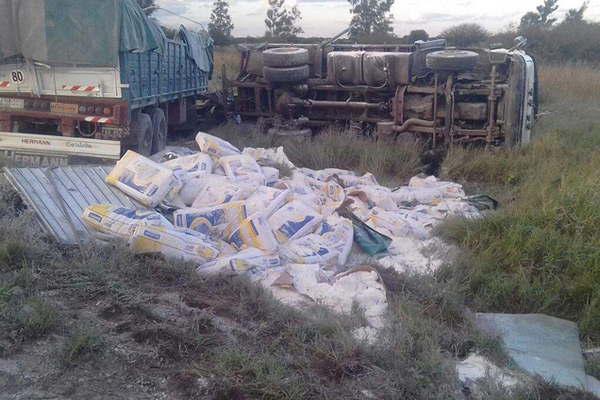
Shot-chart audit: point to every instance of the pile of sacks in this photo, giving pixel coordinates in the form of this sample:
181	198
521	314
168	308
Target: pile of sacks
230	211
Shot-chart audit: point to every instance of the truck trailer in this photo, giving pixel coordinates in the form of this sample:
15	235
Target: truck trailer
93	78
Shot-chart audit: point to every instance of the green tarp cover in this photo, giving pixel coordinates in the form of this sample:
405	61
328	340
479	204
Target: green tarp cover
200	46
89	32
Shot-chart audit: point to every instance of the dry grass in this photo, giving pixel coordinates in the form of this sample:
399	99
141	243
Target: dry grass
572	82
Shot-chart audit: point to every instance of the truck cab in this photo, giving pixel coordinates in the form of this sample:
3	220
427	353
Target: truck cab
426	89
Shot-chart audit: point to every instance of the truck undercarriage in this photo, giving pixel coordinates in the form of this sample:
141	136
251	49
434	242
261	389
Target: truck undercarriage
426	89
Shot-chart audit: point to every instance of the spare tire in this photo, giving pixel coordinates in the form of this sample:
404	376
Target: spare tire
285	57
452	60
286	75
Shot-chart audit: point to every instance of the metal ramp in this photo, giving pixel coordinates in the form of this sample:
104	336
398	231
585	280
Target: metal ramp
58	195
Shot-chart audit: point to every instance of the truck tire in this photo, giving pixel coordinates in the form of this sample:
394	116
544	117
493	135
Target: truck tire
142	133
452	60
285	57
159	127
286	75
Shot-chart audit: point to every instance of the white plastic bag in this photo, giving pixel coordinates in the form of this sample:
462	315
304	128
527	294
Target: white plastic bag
254	231
269	157
310	249
338	234
242	168
215	146
399	223
271	175
119	222
294	220
215	218
266	200
448	189
141	178
250	260
348	180
374	196
325	174
147	239
219	189
193	165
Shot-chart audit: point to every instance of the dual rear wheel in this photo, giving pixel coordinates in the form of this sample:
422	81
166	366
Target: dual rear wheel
149	131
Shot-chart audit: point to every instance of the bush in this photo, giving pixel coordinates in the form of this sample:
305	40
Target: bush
466	35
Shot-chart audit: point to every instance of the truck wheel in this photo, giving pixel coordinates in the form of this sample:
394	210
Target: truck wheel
142	132
452	60
285	57
286	75
159	125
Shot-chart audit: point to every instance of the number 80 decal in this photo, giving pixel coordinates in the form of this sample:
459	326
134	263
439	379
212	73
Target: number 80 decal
17	76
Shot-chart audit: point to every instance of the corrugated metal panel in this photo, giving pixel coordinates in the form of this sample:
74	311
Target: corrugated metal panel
59	196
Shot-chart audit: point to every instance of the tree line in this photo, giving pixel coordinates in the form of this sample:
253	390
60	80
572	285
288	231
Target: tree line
552	37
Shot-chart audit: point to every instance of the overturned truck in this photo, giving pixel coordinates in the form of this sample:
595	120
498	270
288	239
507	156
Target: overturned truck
425	89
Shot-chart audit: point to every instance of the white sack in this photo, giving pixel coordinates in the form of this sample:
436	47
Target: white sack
142	179
215	146
250	260
148	239
294	220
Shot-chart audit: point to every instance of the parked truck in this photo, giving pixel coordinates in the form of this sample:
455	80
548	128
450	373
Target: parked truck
93	78
426	89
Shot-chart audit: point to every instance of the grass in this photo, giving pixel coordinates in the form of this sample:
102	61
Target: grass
81	346
539	253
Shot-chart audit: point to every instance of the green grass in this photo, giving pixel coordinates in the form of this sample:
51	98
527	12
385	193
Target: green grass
541	251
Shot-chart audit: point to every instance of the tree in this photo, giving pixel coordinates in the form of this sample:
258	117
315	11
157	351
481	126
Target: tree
465	35
575	15
419	34
540	18
370	17
220	25
282	23
146	4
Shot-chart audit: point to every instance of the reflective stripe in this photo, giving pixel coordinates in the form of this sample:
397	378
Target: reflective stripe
100	120
79	88
4	84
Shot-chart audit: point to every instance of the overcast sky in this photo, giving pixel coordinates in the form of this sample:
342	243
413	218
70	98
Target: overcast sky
327	17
